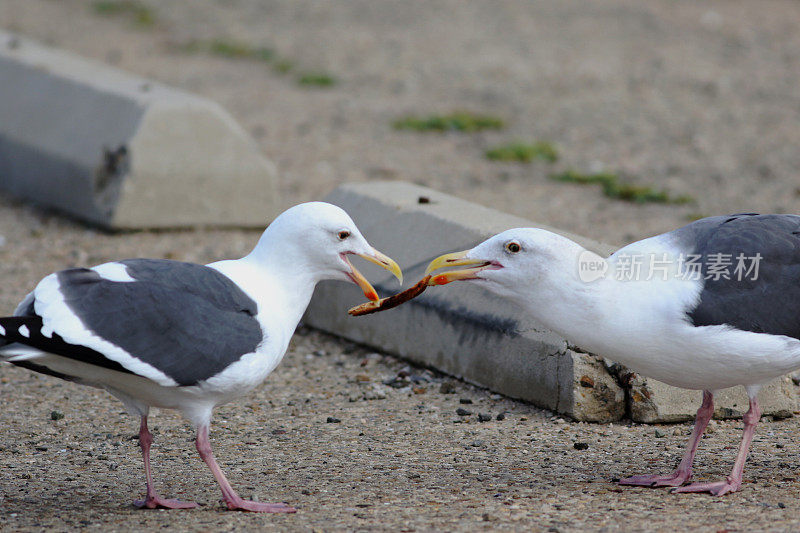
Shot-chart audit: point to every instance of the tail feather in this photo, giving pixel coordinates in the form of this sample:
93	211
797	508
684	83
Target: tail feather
20	329
14	331
17	334
26	340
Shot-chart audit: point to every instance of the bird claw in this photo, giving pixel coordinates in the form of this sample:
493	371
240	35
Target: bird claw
715	488
676	479
157	502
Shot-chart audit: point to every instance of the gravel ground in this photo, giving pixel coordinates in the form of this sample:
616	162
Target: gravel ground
701	99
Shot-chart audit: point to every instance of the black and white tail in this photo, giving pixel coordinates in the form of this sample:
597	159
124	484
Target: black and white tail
22	342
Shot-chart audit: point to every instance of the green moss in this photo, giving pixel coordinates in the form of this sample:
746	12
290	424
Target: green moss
459	121
223	48
238	50
140	14
683	199
614	188
641	194
523	153
571	176
283	66
264	54
316	79
228	49
233	49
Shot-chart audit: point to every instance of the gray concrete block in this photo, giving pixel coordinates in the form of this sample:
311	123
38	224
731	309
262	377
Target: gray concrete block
122	151
591	393
653	401
465	331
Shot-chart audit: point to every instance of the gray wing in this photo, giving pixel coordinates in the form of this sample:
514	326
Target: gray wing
766	303
187	321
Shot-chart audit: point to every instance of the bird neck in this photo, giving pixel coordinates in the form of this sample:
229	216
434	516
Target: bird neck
572	308
280	287
565	302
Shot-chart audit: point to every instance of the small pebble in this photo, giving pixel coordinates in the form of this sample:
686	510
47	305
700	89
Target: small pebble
395	382
332	420
464	401
659	433
484	417
501	416
56	415
581	446
463	412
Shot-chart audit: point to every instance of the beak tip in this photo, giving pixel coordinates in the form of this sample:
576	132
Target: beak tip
385	262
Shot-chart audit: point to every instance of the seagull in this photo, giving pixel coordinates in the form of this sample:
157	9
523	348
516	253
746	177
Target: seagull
175	335
711	305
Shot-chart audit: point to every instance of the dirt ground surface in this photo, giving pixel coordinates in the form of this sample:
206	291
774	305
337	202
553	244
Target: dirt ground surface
697	98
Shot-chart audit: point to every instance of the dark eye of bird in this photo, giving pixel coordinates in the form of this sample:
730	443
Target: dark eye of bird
343	235
513	247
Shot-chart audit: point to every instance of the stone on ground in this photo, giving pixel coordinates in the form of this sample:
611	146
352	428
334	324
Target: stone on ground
120	151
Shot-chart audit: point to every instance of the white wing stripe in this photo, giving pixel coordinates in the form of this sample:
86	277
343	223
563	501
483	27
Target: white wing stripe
58	317
113	272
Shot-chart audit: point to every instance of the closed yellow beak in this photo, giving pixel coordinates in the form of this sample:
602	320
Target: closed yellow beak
452	260
380	259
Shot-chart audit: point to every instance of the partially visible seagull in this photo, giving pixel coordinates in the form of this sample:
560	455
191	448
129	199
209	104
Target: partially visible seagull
710	305
168	334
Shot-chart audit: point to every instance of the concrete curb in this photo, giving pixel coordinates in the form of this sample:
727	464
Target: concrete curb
121	151
464	331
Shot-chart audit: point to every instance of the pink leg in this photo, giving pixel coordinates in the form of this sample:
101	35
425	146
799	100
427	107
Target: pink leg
734	481
152	499
233	500
684	471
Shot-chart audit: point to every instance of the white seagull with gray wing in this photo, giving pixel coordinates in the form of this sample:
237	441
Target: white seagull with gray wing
168	334
710	305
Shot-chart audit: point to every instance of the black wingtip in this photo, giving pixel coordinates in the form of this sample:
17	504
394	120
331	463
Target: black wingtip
12	328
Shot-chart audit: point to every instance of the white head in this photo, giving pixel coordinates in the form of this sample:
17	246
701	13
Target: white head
316	238
512	263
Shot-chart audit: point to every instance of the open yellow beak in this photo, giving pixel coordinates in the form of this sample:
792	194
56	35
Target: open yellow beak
452	260
383	261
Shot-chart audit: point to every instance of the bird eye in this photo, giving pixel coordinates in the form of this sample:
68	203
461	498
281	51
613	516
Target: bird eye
343	235
513	247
